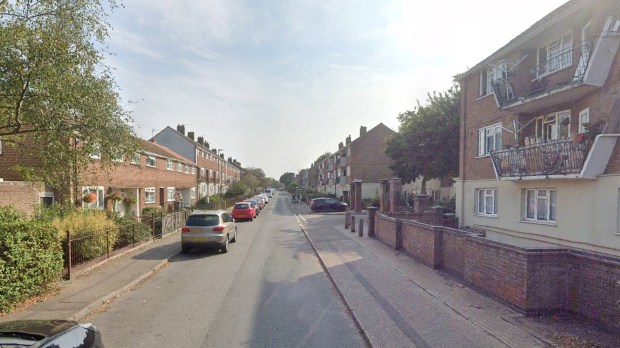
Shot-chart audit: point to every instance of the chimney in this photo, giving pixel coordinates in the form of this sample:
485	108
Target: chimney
348	140
190	135
206	144
362	130
181	128
201	140
340	146
229	159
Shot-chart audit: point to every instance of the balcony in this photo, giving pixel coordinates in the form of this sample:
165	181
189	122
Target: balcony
563	76
564	159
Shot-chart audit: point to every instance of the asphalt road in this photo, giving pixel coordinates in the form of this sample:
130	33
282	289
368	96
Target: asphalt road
269	290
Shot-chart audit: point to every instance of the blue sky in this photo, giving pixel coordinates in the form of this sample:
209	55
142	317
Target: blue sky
278	83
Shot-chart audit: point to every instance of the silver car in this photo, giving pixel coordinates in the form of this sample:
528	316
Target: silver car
210	229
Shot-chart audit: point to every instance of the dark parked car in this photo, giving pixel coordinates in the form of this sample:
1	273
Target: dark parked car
327	204
49	333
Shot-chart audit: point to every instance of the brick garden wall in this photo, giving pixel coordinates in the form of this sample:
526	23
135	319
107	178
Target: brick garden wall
530	280
22	195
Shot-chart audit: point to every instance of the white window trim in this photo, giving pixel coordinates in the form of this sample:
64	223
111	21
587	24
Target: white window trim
559	42
154	159
146	196
485	153
136	159
98	190
585	112
493	194
192	192
549	203
168	195
169	164
180	167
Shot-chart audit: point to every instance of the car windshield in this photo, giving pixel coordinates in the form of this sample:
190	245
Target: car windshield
203	220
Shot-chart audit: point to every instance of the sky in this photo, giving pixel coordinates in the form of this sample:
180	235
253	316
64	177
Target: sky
277	83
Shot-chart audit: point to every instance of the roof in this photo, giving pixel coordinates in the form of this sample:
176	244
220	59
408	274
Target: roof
161	150
570	7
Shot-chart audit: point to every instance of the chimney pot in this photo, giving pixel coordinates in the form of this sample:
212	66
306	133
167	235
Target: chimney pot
348	140
181	128
201	140
340	145
190	135
362	130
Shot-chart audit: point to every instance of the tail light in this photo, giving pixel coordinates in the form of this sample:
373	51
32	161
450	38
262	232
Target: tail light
218	229
184	229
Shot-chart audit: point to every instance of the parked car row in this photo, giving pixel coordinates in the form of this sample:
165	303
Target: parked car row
217	228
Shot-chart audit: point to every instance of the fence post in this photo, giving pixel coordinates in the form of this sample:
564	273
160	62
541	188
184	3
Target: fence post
69	261
107	242
360	233
347	219
352	223
133	234
372	215
153	226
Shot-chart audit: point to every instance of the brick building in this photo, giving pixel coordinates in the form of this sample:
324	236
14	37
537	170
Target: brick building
215	172
361	159
539	158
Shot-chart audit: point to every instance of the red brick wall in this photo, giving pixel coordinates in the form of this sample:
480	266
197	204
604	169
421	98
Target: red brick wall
11	157
368	160
531	280
22	195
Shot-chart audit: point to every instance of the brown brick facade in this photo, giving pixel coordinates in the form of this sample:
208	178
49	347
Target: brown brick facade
22	195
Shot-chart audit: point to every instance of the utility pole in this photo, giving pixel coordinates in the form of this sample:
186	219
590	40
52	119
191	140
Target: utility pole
219	168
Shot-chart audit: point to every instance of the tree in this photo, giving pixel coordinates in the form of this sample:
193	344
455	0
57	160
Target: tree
287	178
322	157
254	178
235	189
58	102
427	143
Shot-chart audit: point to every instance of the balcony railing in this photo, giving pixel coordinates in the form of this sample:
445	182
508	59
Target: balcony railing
557	158
563	68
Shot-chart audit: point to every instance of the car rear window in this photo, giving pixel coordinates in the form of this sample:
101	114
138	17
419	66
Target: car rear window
202	220
241	206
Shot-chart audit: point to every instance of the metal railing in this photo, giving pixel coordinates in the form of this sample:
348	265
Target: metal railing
556	158
88	248
565	67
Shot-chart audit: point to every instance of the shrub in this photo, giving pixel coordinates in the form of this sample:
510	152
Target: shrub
149	211
30	257
53	211
92	231
131	231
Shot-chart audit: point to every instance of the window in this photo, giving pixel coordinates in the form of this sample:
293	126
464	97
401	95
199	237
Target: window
46	198
170	194
486	202
487	76
489	139
169	164
96	153
193	170
149	195
186	169
540	205
118	158
0	147
584	120
192	192
93	197
180	167
555	55
151	161
135	159
552	127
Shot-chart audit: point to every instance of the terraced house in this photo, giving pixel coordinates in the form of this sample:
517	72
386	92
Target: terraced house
539	157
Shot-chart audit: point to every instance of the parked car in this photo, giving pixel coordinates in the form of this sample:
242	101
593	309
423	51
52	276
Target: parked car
327	204
48	334
244	211
269	192
256	202
208	228
264	196
260	201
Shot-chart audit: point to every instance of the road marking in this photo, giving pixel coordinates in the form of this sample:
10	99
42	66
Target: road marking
301	219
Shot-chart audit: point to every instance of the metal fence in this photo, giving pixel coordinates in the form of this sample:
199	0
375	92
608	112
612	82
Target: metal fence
88	248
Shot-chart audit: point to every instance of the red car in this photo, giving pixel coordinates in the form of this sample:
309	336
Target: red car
244	211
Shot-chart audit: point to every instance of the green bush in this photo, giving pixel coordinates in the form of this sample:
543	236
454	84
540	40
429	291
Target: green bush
30	257
53	211
149	211
94	233
131	231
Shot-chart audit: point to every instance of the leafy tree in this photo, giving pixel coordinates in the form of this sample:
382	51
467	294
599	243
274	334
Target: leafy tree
287	178
254	178
58	102
322	157
427	143
235	189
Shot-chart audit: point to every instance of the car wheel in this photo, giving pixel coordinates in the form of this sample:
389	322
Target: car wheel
251	219
185	249
234	237
224	248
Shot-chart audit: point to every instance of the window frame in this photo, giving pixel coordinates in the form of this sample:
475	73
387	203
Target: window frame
550	210
555	49
483	147
97	190
136	159
585	112
481	197
169	164
180	167
147	192
169	196
192	192
153	159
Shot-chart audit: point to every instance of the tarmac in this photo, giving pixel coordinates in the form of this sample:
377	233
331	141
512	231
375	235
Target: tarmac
381	279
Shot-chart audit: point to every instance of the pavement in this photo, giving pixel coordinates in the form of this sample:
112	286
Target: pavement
376	288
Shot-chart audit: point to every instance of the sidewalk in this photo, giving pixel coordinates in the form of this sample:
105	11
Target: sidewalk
385	290
83	294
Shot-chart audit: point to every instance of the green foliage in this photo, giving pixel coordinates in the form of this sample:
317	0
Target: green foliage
291	187
150	210
53	211
235	189
427	143
58	99
30	257
287	178
322	157
131	231
96	233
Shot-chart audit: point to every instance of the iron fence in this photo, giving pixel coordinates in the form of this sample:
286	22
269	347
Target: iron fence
87	248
